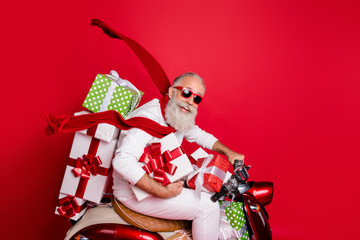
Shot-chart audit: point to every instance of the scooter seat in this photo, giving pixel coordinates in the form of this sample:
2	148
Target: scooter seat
148	223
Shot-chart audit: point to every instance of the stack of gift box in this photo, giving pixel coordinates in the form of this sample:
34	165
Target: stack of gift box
89	162
166	162
92	151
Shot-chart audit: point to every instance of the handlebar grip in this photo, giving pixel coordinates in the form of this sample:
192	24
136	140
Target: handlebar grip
223	191
238	163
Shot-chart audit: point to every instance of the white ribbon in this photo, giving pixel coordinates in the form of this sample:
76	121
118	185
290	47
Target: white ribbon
201	171
117	81
185	235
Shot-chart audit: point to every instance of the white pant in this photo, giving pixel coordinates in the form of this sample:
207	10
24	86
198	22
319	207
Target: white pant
186	206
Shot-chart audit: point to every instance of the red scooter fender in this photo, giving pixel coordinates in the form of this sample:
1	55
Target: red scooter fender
113	231
258	217
262	191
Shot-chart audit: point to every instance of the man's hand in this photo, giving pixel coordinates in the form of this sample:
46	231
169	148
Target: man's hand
155	188
173	189
235	156
230	154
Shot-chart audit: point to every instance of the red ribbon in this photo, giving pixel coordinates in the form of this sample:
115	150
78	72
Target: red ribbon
68	207
192	160
160	163
89	164
91	131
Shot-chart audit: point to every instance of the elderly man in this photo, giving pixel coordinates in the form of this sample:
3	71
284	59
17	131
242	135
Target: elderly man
178	109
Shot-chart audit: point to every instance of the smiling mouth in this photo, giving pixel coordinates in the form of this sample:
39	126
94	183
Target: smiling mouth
185	109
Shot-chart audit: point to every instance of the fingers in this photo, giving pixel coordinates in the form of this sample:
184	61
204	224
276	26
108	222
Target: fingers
178	187
174	189
236	156
240	157
180	183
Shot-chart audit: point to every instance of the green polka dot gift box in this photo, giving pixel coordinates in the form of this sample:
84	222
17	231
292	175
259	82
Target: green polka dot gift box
109	92
232	221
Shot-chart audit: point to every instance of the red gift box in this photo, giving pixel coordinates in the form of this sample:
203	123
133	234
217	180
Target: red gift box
209	174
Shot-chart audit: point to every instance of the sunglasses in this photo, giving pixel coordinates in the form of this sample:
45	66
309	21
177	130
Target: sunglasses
186	93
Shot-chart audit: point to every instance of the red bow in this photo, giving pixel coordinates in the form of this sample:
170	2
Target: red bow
160	163
86	165
83	167
68	206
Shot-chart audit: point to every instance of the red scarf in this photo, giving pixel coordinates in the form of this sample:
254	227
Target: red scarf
65	123
163	103
154	69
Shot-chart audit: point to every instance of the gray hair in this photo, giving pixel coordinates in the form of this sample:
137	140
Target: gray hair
188	74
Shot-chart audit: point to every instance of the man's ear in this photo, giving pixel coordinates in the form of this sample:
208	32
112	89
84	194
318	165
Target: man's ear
171	92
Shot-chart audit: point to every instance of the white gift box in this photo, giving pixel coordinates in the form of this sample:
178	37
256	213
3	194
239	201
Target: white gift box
71	206
199	153
90	189
104	131
182	162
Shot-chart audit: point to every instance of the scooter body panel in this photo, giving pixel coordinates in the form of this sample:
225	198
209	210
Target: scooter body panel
262	191
255	198
113	231
257	218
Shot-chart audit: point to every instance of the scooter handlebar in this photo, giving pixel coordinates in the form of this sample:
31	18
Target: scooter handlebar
226	188
238	163
223	191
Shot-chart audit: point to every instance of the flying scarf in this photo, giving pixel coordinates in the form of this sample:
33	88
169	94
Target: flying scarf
65	123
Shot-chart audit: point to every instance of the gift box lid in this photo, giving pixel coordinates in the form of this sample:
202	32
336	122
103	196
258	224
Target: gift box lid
217	161
199	153
103	131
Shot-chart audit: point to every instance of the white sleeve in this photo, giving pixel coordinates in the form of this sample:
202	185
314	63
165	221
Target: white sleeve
204	139
130	147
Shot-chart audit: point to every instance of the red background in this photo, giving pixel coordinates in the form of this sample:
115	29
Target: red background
283	89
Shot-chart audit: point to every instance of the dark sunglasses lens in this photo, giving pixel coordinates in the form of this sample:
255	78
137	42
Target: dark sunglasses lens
186	93
197	99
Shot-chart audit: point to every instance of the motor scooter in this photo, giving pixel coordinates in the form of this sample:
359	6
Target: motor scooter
102	222
254	195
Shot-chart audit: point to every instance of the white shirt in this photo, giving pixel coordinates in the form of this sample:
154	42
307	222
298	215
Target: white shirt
131	146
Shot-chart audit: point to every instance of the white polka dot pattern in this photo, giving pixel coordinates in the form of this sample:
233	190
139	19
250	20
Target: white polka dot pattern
236	218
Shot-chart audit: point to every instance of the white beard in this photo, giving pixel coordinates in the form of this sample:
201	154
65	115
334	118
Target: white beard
176	118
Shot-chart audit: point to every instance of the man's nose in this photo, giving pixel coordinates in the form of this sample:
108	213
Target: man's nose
190	101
